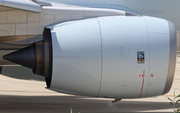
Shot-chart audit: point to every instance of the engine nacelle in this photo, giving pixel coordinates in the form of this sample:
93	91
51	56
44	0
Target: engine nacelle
116	57
111	57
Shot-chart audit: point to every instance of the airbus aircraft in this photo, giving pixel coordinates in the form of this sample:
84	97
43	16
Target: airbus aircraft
98	50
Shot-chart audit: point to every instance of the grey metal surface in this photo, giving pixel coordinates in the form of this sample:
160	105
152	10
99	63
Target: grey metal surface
25	57
131	14
42	3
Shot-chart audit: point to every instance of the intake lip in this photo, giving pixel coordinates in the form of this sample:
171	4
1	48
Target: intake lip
172	57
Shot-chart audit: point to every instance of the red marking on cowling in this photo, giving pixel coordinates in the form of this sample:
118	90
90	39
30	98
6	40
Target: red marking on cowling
152	75
142	83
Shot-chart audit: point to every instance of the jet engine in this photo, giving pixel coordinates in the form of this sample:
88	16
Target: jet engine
110	57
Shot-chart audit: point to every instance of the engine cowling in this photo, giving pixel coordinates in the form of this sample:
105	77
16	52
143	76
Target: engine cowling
113	57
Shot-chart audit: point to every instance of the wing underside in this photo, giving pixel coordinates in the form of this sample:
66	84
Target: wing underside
28	5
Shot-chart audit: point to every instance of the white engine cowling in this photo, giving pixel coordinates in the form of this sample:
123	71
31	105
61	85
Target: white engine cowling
111	57
114	57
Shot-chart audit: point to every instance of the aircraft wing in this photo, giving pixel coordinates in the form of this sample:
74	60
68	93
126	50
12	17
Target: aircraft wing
28	5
